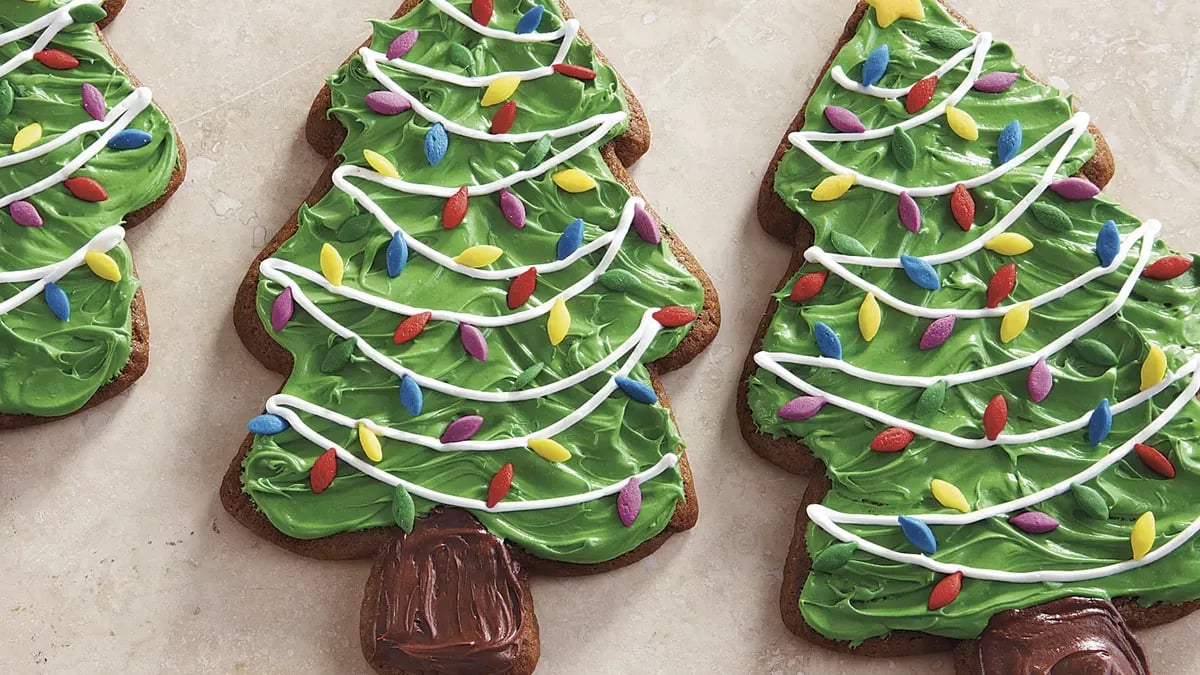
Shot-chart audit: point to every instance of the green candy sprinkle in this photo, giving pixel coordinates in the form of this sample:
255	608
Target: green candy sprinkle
932	399
461	56
1090	502
88	13
537	152
1051	217
404	512
619	280
948	38
338	356
847	245
354	227
1095	351
904	149
834	556
528	375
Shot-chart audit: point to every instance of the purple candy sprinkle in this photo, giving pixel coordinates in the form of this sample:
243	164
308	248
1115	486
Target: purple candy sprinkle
25	214
283	309
996	83
1075	189
644	225
1033	522
473	341
402	44
910	213
93	102
1041	381
629	502
387	102
843	120
512	208
938	332
802	408
462	428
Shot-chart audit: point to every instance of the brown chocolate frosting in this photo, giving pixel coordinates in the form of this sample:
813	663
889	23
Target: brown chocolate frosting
1071	636
450	600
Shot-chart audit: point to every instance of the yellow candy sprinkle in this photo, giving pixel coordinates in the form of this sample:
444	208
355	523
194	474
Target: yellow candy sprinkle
574	180
500	90
380	164
370	443
559	322
1155	367
948	495
331	265
1014	322
27	137
962	123
479	256
833	187
869	317
102	265
549	449
1009	243
1141	538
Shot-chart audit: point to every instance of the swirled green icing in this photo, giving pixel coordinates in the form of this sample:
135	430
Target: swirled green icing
871	596
49	367
617	440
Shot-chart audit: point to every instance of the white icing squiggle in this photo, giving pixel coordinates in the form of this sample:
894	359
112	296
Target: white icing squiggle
102	242
842	79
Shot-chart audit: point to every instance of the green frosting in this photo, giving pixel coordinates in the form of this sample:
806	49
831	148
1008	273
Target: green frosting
49	367
870	596
619	439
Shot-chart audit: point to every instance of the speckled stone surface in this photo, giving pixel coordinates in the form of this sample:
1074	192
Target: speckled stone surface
115	548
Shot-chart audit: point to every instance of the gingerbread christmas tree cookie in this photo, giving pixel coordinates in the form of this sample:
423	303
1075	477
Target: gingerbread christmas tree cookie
472	311
84	154
988	366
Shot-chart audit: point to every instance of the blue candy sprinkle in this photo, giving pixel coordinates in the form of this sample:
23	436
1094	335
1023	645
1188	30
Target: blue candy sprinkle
410	395
1108	243
919	534
267	425
636	390
130	139
875	65
436	144
1010	142
921	273
827	341
531	20
571	239
397	255
1100	423
56	298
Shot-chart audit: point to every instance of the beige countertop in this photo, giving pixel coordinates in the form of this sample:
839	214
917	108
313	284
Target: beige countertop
115	548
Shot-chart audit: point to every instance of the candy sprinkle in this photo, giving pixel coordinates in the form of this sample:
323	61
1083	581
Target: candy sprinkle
1009	143
387	103
577	72
86	189
549	449
93	101
522	288
1014	322
437	142
1155	460
629	502
876	65
1154	368
513	209
1075	189
996	83
995	417
843	120
1040	381
570	240
910	213
937	333
645	225
411	327
403	44
948	495
1100	423
1141	538
455	209
462	429
396	256
1033	522
921	273
962	207
473	341
1108	243
57	301
574	181
267	425
404	511
410	395
27	137
802	408
1010	244
828	342
893	439
869	317
323	471
331	264
282	309
370	443
482	11
381	164
1002	284
1167	268
479	256
919	534
642	393
962	123
833	557
56	59
25	214
559	322
505	117
833	187
500	90
500	484
674	316
920	95
808	285
530	20
945	591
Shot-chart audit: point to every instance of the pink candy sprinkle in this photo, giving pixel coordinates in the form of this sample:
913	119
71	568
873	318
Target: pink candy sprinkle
387	102
996	83
1033	522
1075	189
512	208
910	213
283	309
93	102
462	429
802	408
25	214
629	502
402	44
938	332
843	120
644	225
1041	381
473	341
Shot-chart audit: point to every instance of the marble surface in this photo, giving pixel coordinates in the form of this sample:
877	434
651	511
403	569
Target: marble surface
115	549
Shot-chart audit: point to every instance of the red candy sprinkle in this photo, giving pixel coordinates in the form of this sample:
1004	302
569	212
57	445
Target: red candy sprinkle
962	205
481	11
807	286
995	417
522	288
1002	284
674	316
577	72
86	189
411	327
320	477
1165	269
893	439
56	59
945	591
455	209
1155	460
504	118
920	94
500	484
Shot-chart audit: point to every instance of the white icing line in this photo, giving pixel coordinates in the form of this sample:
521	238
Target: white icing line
842	79
104	241
828	519
51	24
459	16
570	29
